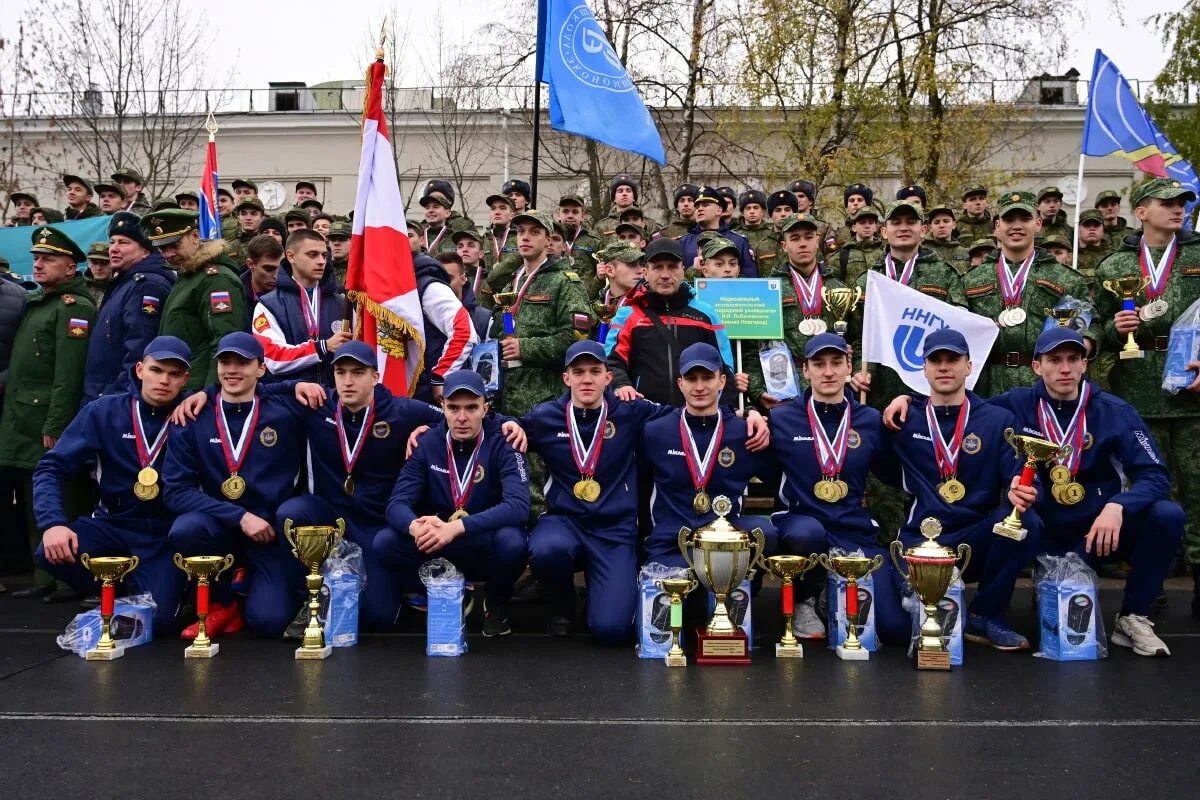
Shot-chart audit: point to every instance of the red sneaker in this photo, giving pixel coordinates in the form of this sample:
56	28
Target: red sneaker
190	632
225	619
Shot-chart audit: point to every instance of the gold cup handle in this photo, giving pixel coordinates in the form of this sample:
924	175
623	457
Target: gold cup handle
288	525
810	564
823	560
339	534
760	554
684	540
896	548
876	563
964	552
86	560
181	564
133	564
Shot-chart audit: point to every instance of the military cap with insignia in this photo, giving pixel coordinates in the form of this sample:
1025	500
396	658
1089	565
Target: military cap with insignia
571	200
714	247
860	189
686	190
240	183
1162	189
710	195
518	186
18	196
169	225
802	220
903	206
312	205
52	241
499	198
729	194
1107	194
752	196
1091	215
539	218
458	236
249	202
437	191
312	187
68	179
1016	201
913	190
98	251
976	188
1049	191
782	198
340	230
803	187
114	187
297	214
193	196
623	180
126	174
129	225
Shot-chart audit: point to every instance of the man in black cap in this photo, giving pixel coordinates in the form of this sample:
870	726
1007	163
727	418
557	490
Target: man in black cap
312	206
111	195
806	200
709	204
913	194
623	192
854	197
297	219
305	190
728	218
79	199
518	192
23	204
764	241
133	184
685	211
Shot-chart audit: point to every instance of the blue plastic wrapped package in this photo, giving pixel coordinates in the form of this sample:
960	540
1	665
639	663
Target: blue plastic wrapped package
1069	608
654	610
779	371
445	627
950	613
132	624
345	578
864	625
485	360
1182	348
738	604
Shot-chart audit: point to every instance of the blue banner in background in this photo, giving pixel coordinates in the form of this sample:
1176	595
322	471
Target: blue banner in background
15	242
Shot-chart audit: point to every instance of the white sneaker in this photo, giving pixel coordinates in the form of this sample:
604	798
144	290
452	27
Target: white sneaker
806	624
1137	632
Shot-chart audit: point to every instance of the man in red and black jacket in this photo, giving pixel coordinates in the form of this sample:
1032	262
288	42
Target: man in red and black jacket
661	318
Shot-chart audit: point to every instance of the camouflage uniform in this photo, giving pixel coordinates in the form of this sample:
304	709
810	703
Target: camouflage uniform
1058	226
972	229
499	270
764	244
1115	235
1174	421
432	244
581	258
855	258
950	252
677	227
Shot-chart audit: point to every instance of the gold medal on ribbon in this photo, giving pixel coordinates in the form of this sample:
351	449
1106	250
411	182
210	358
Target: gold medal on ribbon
148	476
458	514
234	486
143	492
826	491
591	490
702	503
843	489
1060	474
952	490
348	485
1071	493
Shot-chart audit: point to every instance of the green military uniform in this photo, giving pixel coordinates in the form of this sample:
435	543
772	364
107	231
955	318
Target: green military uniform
437	238
855	258
554	312
1057	226
16	196
87	212
502	260
340	230
1174	420
95	286
676	228
237	238
1047	283
972	229
197	310
606	228
764	244
1114	235
581	247
1091	255
950	252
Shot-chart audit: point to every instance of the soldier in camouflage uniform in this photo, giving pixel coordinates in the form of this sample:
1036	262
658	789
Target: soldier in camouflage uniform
975	222
805	193
1057	246
979	251
942	239
631	234
45	372
468	245
1174	420
207	300
1036	282
623	192
518	193
854	197
581	243
685	211
860	253
764	241
500	255
1116	229
1049	211
1092	247
249	216
339	250
437	229
805	313
99	271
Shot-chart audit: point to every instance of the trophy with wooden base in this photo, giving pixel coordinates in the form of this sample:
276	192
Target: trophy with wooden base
930	570
1127	288
788	569
109	570
312	544
676	589
852	569
1036	451
205	569
721	556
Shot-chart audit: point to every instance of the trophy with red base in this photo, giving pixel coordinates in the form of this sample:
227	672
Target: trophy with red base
721	556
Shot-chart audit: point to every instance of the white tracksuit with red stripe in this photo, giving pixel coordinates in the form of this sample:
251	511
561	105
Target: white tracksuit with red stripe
449	333
292	326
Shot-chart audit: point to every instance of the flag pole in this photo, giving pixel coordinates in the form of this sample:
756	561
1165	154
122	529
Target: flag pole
537	140
1078	206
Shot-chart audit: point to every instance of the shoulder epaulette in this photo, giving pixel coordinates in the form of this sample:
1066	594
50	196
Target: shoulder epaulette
68	299
571	275
213	270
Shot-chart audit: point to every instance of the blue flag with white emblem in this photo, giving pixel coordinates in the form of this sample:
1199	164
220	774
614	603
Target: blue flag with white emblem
591	94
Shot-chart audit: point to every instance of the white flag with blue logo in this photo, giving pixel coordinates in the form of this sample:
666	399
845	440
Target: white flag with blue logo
896	320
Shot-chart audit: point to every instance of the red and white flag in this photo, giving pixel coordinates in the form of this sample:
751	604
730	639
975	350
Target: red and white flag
380	277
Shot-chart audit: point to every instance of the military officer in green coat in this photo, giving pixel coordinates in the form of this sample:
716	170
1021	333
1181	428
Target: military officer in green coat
975	222
758	230
45	373
1014	286
207	301
1170	258
1116	229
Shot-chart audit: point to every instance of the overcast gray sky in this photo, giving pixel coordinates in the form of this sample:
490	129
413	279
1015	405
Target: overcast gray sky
320	40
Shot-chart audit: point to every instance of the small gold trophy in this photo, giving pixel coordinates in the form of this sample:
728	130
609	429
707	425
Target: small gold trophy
841	302
108	570
1036	451
677	589
506	301
205	569
930	570
1127	288
312	544
1063	316
788	569
853	569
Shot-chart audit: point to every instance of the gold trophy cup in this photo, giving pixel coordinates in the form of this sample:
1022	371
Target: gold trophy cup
506	301
312	544
1127	288
676	589
930	570
721	556
1036	451
109	570
205	569
788	569
853	569
841	302
1063	316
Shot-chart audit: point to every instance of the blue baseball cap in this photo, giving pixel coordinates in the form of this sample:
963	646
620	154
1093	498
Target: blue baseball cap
699	355
1056	337
169	348
946	339
463	380
585	349
240	343
358	351
825	341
